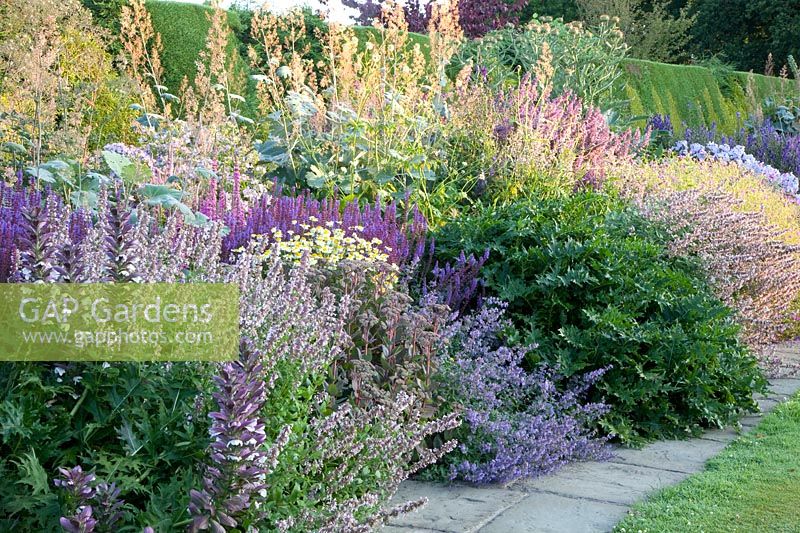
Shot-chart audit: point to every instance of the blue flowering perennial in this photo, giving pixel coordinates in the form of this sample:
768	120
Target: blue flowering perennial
517	423
786	181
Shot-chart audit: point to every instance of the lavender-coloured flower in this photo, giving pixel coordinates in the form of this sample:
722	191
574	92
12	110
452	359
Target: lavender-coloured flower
15	228
661	123
80	522
516	422
457	284
76	483
95	504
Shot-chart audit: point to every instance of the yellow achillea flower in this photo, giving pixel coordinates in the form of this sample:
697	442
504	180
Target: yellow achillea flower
327	247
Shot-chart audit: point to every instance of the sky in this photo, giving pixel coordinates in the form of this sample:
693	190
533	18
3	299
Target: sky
339	13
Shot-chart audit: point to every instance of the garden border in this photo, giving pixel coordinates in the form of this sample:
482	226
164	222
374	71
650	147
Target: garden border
586	497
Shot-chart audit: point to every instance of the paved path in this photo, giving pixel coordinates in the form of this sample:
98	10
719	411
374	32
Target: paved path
582	497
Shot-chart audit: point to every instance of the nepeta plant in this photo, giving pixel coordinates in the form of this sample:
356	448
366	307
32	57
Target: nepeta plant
347	457
756	194
517	423
592	282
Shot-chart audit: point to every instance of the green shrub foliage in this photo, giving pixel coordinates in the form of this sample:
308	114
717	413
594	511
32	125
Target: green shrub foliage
184	30
587	62
142	425
591	282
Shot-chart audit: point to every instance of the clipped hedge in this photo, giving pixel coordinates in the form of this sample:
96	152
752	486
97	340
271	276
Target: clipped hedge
184	29
694	95
365	33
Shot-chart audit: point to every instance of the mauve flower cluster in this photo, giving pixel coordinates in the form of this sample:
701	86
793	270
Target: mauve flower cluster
748	265
180	149
402	236
240	460
535	130
134	153
294	323
516	423
96	505
786	181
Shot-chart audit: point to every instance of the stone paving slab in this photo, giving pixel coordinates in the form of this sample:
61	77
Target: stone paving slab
767	403
684	456
784	387
409	529
582	497
454	508
726	435
551	513
604	482
751	421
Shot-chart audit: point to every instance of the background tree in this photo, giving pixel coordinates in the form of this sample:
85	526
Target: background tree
658	30
565	9
745	32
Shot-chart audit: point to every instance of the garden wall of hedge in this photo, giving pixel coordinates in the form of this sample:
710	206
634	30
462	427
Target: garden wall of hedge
694	95
184	28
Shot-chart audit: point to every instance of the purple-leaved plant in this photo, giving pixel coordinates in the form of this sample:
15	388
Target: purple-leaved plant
476	17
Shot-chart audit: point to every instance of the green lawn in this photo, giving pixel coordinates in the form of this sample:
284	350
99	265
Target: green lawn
752	486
